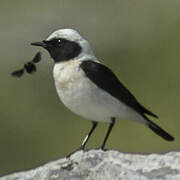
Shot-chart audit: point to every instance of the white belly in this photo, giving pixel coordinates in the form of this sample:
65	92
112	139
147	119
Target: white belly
84	98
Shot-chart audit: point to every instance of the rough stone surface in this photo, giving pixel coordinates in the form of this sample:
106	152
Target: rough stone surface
109	165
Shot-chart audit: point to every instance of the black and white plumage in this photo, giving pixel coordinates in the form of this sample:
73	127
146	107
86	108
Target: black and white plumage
90	89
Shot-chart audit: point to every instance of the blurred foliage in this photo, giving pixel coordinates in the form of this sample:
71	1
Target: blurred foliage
138	40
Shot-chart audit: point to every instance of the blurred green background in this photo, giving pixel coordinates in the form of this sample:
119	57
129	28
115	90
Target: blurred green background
138	40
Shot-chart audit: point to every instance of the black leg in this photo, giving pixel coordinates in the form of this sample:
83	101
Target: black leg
94	125
108	133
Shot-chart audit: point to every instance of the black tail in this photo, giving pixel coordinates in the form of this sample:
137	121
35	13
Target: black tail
146	111
159	131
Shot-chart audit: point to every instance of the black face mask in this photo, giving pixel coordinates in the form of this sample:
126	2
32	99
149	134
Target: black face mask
60	49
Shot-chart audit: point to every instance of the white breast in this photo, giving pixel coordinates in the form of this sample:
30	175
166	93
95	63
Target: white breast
83	97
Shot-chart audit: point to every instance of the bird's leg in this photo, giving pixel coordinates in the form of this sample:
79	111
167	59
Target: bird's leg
94	125
108	133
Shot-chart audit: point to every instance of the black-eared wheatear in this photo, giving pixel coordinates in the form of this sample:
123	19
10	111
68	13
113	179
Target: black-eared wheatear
89	88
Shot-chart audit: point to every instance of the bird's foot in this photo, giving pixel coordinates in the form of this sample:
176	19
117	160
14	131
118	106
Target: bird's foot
78	149
86	150
103	148
96	148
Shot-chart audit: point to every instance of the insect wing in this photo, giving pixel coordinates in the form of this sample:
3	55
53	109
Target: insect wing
37	58
18	73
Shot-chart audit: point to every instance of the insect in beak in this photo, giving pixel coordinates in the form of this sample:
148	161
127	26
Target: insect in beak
29	67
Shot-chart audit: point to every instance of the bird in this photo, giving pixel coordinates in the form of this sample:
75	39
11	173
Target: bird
90	89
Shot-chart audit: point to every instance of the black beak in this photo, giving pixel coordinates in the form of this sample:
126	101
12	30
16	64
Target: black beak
42	44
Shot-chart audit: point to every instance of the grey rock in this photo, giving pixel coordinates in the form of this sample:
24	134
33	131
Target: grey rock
109	165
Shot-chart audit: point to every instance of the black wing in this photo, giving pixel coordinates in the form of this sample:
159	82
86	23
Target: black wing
105	79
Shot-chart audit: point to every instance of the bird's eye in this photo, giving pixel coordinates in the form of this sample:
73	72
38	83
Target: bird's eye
56	42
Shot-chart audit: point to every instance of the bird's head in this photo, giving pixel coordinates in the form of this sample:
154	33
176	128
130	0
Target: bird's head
66	44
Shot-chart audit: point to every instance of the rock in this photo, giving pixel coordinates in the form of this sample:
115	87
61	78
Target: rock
109	165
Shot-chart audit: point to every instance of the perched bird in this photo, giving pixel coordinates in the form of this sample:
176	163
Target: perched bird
90	89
